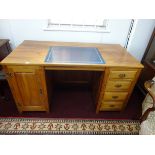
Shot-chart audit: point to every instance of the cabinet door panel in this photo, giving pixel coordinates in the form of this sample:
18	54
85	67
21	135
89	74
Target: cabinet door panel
14	88
29	88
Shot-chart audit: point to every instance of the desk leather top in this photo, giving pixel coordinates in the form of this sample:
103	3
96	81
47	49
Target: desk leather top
65	54
34	53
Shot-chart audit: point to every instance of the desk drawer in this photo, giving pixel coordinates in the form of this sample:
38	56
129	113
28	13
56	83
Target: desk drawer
118	85
111	105
122	74
24	69
115	96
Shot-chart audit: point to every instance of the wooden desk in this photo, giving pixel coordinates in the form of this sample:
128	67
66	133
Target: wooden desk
25	69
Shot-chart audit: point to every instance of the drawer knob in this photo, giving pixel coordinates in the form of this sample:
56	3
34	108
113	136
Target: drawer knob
111	105
122	75
118	85
114	97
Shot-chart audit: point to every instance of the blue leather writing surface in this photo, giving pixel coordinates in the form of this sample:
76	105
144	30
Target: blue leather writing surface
65	54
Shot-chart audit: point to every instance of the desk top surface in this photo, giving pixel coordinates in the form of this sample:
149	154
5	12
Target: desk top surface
35	52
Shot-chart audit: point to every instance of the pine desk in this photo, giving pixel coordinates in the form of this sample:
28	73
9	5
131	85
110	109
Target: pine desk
112	82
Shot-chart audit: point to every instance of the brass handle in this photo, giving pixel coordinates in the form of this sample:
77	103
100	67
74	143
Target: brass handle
121	75
40	91
114	97
118	85
111	105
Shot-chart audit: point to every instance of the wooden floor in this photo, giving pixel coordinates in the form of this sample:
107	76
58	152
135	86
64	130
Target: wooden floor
73	103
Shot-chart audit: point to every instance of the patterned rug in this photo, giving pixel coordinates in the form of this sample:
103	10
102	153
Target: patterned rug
15	126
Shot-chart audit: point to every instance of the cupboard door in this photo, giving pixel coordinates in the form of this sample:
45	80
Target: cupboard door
29	89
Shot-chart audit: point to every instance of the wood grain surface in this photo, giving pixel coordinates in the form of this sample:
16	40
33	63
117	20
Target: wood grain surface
34	53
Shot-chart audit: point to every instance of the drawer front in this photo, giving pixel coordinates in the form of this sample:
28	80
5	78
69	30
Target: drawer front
24	69
122	74
111	105
118	85
115	96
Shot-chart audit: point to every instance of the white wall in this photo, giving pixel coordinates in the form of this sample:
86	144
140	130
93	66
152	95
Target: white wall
140	37
5	31
19	30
